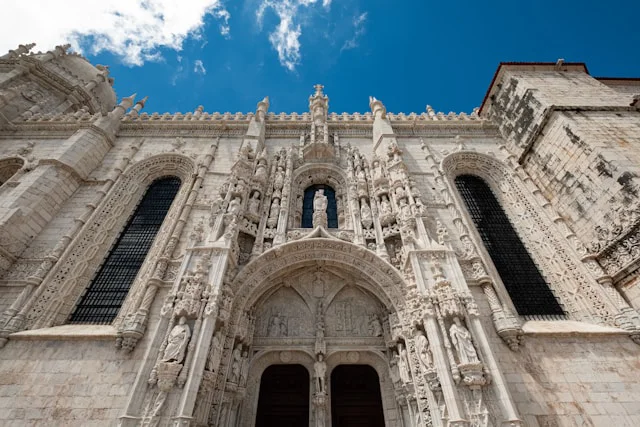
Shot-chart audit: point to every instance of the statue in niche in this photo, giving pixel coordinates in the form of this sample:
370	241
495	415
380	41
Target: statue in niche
385	205
361	177
216	206
261	171
236	364
403	365
278	181
177	342
244	371
365	213
377	171
274	212
375	327
320	203
320	372
234	206
405	210
240	186
400	193
461	340
254	203
394	370
424	353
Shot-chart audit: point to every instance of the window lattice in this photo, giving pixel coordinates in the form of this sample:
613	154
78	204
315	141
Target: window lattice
521	277
104	296
307	206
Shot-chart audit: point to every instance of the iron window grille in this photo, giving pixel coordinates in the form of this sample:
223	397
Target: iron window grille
106	293
522	279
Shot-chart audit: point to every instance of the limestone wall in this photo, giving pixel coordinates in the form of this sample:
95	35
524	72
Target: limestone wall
568	374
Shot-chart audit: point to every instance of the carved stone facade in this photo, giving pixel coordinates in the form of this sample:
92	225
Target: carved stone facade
392	273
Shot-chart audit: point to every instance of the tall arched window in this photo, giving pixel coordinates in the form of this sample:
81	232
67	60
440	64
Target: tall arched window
522	279
307	206
104	296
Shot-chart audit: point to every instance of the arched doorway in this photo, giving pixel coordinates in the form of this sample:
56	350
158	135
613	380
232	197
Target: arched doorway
284	397
309	298
355	397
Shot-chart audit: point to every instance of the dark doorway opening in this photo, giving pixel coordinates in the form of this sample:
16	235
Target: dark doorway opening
284	397
355	397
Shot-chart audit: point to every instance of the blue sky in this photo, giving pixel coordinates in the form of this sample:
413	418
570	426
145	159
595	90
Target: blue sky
224	54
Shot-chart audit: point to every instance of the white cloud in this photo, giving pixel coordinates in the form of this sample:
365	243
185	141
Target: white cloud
131	29
198	67
359	30
285	39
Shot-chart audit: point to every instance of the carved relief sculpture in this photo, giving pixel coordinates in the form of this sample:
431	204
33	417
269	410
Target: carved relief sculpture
461	340
320	204
177	342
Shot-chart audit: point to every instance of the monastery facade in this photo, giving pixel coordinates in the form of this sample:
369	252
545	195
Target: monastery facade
318	269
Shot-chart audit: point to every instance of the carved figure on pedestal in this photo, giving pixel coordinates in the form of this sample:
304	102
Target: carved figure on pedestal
234	206
424	353
366	216
320	372
177	342
261	171
403	365
461	340
405	210
278	181
236	364
244	370
274	212
394	370
320	203
254	203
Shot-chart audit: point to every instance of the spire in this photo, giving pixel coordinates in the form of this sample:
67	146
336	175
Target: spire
377	108
21	50
262	108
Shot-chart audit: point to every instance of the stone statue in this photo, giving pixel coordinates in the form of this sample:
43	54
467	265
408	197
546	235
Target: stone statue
278	181
254	203
177	342
374	326
234	206
394	371
274	212
403	365
261	171
320	203
422	345
405	210
244	371
365	213
236	364
461	340
385	206
320	371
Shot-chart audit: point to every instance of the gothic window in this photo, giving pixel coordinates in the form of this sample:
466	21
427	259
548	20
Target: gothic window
307	206
522	279
104	296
